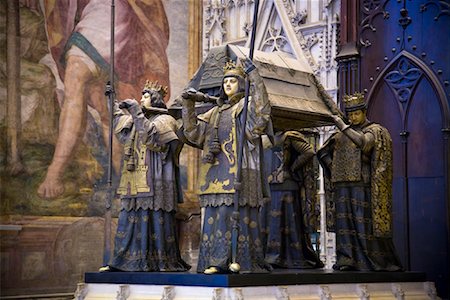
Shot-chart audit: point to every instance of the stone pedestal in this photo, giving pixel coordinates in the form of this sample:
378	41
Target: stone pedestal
288	284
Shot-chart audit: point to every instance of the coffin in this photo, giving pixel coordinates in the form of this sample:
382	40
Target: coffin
297	99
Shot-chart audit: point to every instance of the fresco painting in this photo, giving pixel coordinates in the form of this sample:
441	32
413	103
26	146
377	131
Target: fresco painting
64	67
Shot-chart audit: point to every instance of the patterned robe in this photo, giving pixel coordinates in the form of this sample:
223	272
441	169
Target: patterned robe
361	180
290	216
216	180
146	238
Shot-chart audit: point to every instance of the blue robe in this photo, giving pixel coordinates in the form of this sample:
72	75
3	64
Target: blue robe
287	216
360	214
146	238
217	176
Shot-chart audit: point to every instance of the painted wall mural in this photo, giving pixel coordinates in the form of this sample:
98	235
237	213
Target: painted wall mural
54	66
64	65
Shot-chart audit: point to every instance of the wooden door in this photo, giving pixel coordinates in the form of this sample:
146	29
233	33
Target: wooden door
404	71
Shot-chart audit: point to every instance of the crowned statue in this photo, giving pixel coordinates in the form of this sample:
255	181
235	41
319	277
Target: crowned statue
149	188
217	132
358	162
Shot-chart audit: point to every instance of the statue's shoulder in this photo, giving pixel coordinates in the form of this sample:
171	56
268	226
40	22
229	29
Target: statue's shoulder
165	118
206	117
380	133
376	129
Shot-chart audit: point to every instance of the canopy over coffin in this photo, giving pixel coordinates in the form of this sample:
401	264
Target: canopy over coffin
296	97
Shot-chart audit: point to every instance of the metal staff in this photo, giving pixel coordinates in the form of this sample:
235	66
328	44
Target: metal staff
110	93
235	217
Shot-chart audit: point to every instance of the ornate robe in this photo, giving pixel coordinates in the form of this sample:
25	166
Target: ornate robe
291	214
361	180
146	238
217	179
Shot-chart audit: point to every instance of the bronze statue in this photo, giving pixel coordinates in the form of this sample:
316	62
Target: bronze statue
217	132
290	216
146	238
358	161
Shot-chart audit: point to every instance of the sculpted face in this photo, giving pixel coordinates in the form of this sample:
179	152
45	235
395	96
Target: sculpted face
230	86
356	117
146	99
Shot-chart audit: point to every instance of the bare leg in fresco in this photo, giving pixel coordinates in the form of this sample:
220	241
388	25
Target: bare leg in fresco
72	123
80	90
143	28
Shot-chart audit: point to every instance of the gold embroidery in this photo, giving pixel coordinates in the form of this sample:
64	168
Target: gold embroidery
135	180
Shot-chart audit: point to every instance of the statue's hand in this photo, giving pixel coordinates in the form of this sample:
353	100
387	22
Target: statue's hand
187	94
339	122
131	105
193	94
125	104
248	65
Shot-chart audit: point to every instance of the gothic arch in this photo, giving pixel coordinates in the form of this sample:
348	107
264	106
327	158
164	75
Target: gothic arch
422	165
429	75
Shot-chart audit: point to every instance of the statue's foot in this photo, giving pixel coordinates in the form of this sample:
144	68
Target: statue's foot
344	268
211	270
50	188
234	267
105	269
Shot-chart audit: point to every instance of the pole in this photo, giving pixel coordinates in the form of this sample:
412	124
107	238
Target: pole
235	217
13	104
110	93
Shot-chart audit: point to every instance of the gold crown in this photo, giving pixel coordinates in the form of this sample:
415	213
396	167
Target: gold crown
231	69
354	102
155	86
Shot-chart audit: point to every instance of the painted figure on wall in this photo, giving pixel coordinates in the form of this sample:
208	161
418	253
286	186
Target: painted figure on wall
79	42
287	218
217	132
146	238
358	160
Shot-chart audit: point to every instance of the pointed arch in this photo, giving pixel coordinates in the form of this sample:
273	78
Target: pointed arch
429	75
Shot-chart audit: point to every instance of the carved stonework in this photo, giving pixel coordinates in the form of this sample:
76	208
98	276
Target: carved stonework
430	289
370	10
325	293
282	293
296	18
398	291
275	41
363	292
123	293
218	294
247	28
214	23
328	38
305	43
168	293
403	80
81	291
238	294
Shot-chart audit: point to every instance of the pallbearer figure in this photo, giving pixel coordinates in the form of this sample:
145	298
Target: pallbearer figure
290	215
217	132
358	160
146	238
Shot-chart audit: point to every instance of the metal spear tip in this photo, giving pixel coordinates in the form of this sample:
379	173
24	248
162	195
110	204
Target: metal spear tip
108	89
